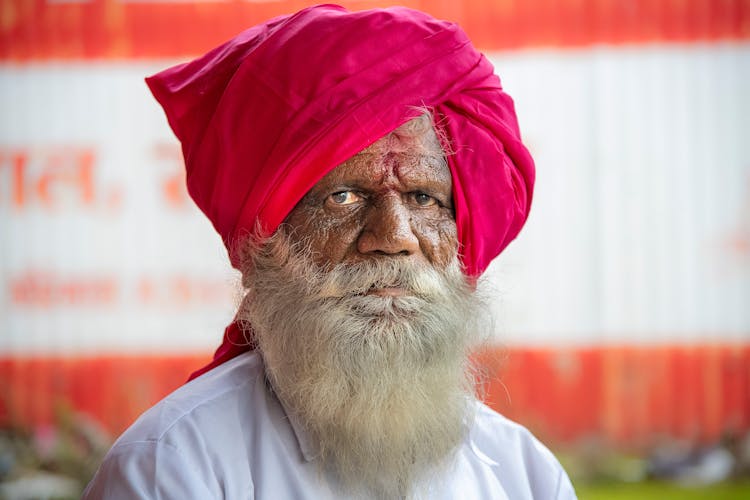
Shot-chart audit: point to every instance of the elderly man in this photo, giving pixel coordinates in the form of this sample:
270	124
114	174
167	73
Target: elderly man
363	168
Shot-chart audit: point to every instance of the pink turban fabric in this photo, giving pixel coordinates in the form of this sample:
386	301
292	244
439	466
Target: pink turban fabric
267	114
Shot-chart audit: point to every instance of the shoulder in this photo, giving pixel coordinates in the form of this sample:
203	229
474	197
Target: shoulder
222	386
186	435
130	471
521	461
499	438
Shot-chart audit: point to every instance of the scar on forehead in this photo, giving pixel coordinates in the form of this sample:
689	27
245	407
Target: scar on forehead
415	141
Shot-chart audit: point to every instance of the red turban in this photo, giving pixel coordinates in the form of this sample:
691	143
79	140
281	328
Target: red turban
266	115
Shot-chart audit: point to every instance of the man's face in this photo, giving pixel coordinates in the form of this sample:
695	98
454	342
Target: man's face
392	199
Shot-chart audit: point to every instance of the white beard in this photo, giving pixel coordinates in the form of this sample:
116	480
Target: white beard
382	385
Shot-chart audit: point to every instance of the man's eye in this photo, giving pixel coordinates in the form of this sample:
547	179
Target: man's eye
344	198
423	200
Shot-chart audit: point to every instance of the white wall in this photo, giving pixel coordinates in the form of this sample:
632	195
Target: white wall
640	230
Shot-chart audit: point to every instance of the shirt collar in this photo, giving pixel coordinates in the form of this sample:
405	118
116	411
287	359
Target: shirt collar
306	446
304	441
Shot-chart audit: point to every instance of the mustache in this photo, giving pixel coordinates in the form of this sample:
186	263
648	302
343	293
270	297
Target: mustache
356	279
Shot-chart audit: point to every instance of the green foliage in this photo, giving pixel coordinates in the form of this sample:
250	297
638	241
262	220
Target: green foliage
46	459
648	490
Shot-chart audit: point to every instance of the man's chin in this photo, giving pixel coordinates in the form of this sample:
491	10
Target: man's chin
391	291
392	307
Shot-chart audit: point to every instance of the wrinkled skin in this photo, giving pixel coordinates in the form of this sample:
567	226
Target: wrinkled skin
394	199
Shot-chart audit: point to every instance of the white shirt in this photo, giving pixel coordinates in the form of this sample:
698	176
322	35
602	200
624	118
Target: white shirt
225	435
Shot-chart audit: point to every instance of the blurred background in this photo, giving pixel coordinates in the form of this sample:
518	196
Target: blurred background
622	332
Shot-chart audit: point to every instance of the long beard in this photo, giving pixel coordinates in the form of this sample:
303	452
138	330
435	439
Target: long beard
382	385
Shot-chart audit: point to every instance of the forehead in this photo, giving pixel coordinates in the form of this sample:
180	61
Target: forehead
411	153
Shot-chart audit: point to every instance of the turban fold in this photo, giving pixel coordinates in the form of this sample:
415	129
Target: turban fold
267	114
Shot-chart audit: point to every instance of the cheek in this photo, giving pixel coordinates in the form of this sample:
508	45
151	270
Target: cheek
438	239
329	239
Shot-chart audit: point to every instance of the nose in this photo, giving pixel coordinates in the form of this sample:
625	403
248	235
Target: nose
387	229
